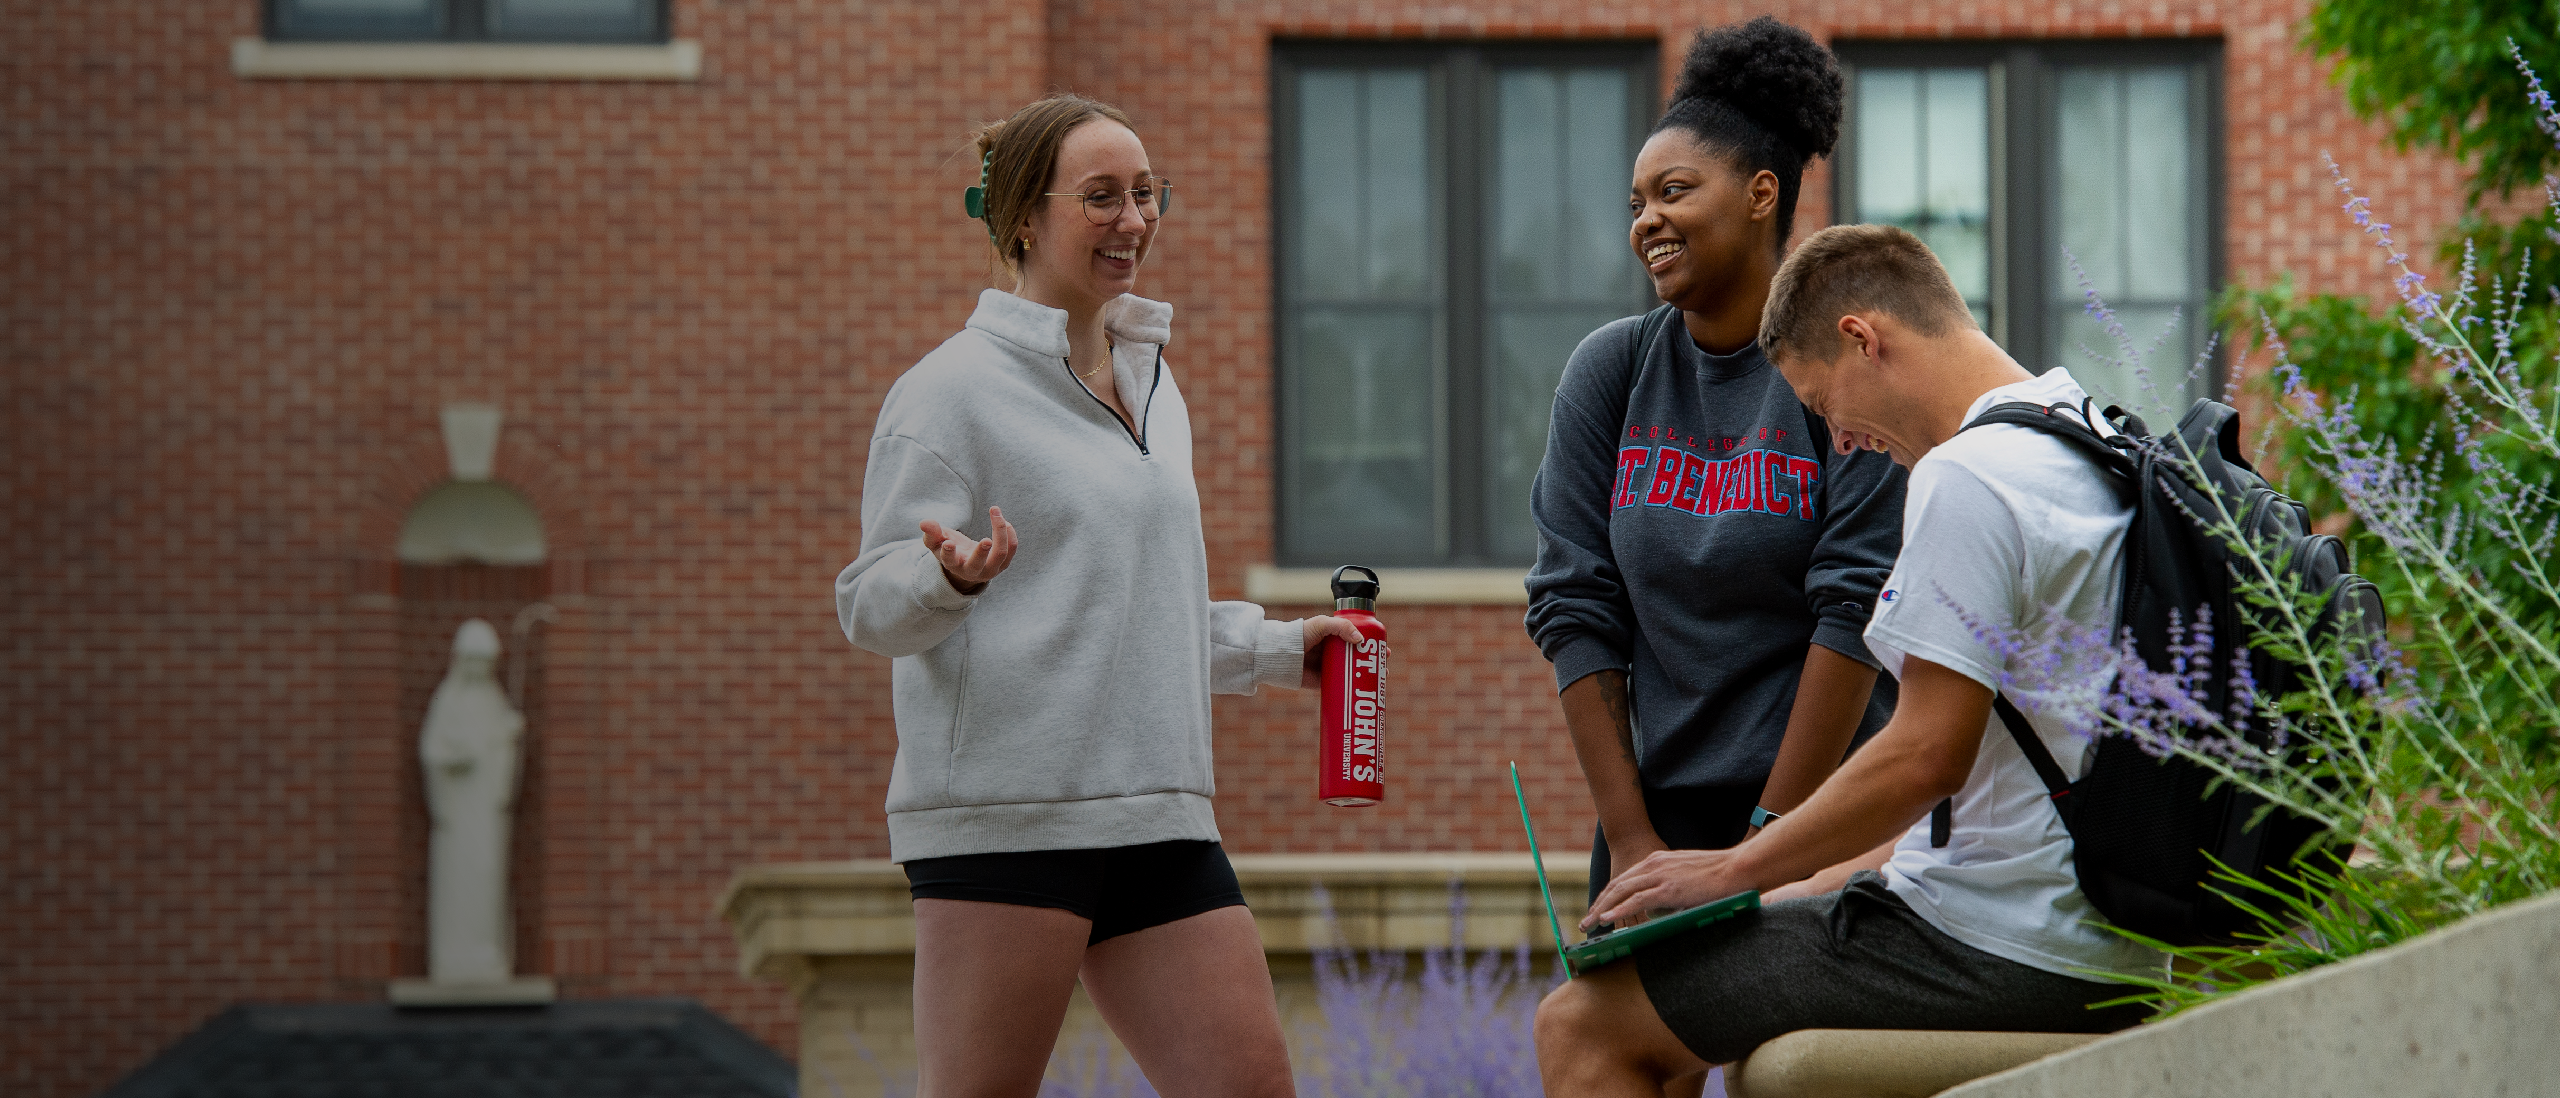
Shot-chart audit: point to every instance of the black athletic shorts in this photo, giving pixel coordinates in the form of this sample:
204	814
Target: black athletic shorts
1121	889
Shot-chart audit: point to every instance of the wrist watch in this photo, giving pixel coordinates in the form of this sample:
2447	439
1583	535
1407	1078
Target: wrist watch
1761	817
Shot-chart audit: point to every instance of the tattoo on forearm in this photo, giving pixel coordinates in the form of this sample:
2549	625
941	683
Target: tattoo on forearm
1613	693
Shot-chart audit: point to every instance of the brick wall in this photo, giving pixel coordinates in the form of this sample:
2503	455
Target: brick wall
234	307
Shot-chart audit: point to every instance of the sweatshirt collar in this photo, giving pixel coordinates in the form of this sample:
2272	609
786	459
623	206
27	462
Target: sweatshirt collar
1042	330
1744	360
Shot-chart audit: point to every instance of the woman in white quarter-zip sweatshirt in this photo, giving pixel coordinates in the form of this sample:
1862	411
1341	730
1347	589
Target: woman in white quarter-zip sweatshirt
1032	560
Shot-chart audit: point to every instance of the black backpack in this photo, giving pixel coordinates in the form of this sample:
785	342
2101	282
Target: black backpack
2147	831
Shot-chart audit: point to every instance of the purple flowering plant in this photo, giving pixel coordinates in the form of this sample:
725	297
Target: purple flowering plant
1455	1026
2434	752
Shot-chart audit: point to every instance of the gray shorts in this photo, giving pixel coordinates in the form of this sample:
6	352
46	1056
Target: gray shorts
1858	958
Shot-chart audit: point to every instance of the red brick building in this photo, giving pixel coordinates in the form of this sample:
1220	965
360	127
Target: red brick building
244	282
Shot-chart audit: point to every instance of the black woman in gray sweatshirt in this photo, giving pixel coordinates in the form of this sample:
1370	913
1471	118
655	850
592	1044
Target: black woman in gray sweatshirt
1707	555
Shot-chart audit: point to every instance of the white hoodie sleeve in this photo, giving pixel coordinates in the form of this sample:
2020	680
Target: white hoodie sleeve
1247	651
894	599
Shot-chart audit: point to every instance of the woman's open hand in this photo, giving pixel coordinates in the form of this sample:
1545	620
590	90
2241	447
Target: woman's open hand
1318	628
968	563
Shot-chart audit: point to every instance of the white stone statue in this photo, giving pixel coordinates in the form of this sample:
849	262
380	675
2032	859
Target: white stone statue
470	748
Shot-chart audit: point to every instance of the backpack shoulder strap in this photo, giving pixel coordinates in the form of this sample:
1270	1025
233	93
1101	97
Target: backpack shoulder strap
2069	423
1942	820
2032	746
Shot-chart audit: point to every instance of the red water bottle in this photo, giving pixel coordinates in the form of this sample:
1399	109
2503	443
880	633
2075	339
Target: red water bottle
1350	763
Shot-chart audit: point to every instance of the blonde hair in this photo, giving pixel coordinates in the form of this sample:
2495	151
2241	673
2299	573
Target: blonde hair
1017	156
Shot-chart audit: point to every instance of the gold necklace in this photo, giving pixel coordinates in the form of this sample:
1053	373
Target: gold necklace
1106	363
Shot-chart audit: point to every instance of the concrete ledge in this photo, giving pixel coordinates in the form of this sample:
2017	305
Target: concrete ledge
1272	586
1885	1063
258	58
789	917
521	991
2468	1011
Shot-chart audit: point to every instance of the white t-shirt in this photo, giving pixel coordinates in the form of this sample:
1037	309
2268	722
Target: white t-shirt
2008	535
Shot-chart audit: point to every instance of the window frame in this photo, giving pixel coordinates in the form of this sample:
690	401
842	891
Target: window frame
2024	174
1459	75
458	21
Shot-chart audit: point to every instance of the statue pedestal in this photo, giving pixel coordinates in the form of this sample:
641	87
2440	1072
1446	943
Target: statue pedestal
521	991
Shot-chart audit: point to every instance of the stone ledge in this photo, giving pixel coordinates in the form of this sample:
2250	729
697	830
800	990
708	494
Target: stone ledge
788	917
258	58
521	991
1885	1063
1272	586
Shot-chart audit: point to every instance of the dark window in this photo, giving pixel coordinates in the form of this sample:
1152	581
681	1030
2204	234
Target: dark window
467	20
1451	221
2015	161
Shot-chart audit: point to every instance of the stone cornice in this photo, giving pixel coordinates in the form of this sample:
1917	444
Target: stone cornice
258	58
788	916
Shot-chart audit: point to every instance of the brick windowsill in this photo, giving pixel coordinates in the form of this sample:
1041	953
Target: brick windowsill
257	58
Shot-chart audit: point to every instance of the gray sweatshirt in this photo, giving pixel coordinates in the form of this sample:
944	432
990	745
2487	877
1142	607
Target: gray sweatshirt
1066	705
1696	530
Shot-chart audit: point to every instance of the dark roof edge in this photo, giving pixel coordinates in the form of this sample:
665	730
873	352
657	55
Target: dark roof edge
723	1043
166	1074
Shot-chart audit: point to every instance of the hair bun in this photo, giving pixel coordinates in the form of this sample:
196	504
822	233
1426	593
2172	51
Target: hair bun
1774	74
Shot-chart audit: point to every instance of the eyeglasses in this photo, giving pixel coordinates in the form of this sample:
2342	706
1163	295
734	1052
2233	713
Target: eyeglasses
1102	207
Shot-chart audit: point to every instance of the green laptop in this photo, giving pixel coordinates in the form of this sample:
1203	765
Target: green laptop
1591	953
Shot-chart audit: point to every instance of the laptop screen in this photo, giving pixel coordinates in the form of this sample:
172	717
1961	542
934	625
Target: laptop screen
1555	926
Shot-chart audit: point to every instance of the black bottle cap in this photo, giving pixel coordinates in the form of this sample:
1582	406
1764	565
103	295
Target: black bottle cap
1355	594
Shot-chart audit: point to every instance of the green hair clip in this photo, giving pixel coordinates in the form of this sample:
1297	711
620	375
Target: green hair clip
974	199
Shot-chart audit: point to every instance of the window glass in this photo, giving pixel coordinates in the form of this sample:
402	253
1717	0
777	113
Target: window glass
1361	377
2101	149
2160	259
1924	162
1452	223
2129	214
360	19
1560	264
468	20
1394	177
367	8
558	20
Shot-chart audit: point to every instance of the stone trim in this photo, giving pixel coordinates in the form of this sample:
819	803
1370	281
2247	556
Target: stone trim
788	917
1818	1063
1272	586
521	991
257	58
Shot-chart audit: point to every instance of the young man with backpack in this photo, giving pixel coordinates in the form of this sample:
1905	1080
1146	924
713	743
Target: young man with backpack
2013	540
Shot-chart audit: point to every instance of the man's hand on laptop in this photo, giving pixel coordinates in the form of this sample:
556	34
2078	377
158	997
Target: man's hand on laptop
1668	881
1920	757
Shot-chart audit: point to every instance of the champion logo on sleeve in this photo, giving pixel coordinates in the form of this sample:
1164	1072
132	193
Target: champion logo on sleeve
1890	594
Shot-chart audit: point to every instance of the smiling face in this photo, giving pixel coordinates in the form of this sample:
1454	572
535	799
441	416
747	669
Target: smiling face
1072	263
1701	228
1854	392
